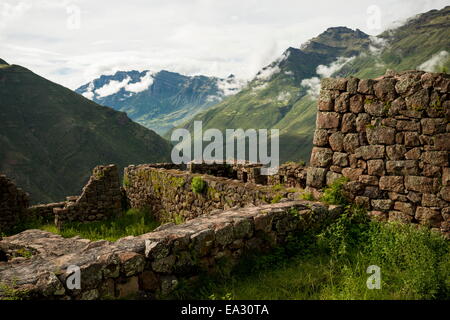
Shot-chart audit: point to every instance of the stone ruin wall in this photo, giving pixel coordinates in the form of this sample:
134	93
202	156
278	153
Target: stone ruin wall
169	196
391	138
13	204
151	265
101	198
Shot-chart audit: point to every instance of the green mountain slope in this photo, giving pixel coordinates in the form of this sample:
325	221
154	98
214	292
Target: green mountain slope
51	137
159	100
282	95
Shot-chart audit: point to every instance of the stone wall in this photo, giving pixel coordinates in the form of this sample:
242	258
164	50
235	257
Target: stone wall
150	265
100	199
391	137
169	195
13	204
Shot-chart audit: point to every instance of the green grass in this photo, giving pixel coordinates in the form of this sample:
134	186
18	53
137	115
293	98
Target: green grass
332	264
131	223
198	185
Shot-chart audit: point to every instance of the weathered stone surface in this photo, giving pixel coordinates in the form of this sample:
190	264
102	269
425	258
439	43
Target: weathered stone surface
320	138
408	125
381	205
442	142
385	89
342	102
362	121
340	159
429	216
375	167
431	200
420	184
129	288
316	177
396	152
405	207
321	157
392	183
374	108
351	142
334	84
352	85
380	135
326	100
418	100
435	158
357	103
412	139
348	123
366	86
398	216
370	152
328	120
402	167
433	126
413	154
352	174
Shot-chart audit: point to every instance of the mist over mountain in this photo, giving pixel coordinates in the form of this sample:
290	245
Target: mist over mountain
283	95
159	100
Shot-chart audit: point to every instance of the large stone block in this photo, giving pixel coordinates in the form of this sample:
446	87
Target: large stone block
336	141
402	167
321	157
370	152
380	135
334	84
320	138
435	158
385	89
351	142
429	216
420	184
431	126
392	183
316	177
328	120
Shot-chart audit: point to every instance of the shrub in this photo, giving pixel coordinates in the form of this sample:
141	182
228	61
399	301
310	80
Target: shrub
333	194
198	185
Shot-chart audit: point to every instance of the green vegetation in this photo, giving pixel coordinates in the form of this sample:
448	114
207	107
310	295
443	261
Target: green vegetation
332	264
307	196
198	185
131	223
9	293
333	194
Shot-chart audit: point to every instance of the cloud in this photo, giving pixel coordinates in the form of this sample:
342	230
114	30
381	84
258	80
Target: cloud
230	85
89	94
323	71
327	71
213	38
112	87
144	83
313	85
435	62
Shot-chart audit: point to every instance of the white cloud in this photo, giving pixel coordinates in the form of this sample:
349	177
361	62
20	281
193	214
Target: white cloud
89	94
112	87
214	38
313	84
144	83
327	71
230	85
435	62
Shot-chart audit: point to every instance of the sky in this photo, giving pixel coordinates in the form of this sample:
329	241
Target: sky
73	42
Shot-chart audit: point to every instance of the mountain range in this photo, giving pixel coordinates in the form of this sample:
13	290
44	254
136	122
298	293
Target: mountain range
159	100
283	95
51	137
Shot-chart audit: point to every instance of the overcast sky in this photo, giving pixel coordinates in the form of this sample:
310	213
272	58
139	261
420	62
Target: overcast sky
72	42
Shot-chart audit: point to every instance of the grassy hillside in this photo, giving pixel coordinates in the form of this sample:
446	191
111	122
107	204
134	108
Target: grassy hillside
276	98
51	137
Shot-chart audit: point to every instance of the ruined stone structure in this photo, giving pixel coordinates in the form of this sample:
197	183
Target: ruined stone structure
169	194
101	198
391	138
13	204
151	265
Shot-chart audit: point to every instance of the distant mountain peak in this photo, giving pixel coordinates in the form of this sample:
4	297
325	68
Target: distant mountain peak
3	61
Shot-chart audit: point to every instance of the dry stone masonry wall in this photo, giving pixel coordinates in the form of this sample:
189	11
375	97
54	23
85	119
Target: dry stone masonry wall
150	265
13	204
101	198
169	194
391	138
